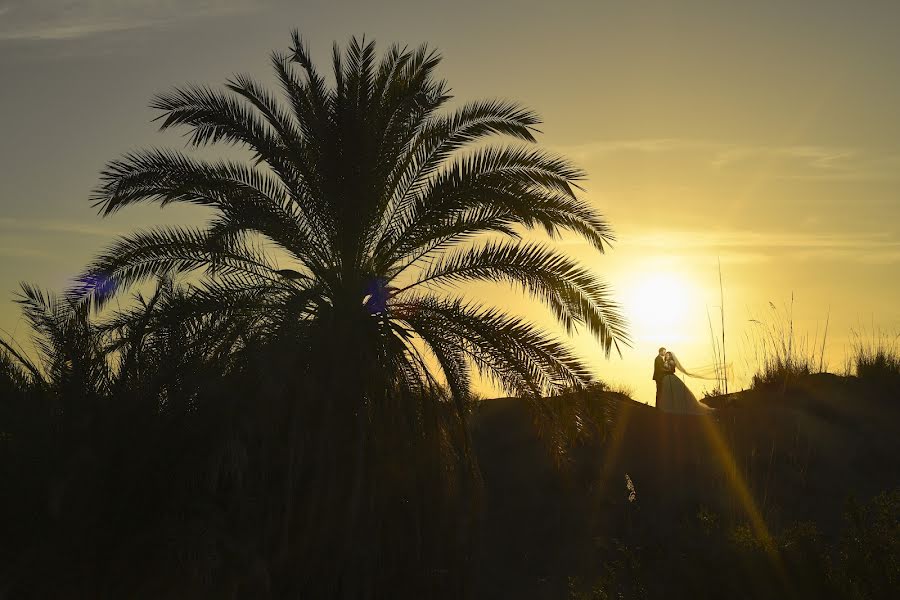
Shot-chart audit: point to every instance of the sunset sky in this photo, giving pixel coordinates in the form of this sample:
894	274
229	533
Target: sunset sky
764	135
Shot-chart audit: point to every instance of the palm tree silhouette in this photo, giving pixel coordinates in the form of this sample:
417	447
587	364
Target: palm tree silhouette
372	195
377	204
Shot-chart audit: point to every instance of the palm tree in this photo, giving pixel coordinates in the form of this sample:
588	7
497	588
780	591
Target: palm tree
361	185
378	203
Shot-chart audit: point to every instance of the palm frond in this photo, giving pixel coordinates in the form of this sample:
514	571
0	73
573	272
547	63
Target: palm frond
166	176
436	140
23	361
517	354
158	252
215	117
574	294
258	97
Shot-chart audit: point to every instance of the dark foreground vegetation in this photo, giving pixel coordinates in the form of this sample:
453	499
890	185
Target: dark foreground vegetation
240	427
790	494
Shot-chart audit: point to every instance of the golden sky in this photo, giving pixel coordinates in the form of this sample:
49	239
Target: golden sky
762	134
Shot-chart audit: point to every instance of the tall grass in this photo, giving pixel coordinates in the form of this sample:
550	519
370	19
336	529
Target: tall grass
724	373
781	353
875	356
718	347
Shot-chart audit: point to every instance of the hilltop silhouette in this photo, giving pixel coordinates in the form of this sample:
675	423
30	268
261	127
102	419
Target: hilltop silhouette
706	490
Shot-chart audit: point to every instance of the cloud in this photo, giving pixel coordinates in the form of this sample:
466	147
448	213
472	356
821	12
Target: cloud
52	226
742	246
14	252
815	157
54	20
798	161
604	148
756	239
737	246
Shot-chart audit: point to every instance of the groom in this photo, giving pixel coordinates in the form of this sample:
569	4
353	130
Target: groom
660	371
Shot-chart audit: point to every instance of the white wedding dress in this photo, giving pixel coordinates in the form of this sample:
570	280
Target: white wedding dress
675	397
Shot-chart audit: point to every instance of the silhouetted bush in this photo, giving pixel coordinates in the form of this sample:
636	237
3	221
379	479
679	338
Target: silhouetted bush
708	560
782	354
876	359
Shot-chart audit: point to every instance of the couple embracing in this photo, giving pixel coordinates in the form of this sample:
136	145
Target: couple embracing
672	395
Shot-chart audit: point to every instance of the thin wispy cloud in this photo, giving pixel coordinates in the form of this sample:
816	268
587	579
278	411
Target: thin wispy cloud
603	148
53	226
744	239
799	161
816	157
56	20
738	246
754	246
22	252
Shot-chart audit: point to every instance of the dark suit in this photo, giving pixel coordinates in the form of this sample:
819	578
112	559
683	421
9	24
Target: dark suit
659	371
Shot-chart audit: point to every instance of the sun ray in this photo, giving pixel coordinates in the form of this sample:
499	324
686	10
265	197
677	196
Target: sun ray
742	493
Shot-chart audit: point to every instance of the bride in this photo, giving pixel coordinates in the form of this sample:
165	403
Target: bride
675	397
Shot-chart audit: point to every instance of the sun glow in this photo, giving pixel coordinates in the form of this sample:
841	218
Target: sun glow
660	306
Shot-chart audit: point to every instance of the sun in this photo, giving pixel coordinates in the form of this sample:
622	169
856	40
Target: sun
660	306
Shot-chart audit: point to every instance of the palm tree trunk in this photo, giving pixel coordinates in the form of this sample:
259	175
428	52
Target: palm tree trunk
355	505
